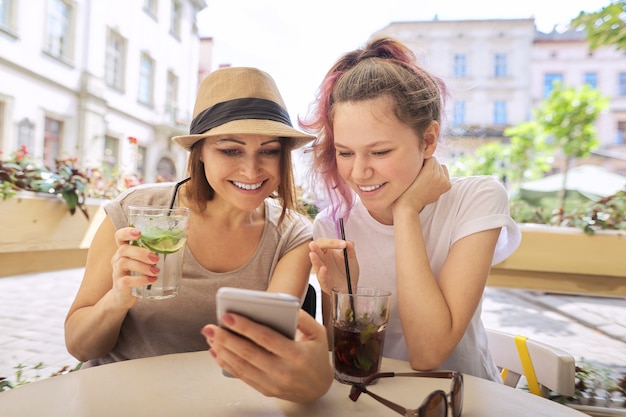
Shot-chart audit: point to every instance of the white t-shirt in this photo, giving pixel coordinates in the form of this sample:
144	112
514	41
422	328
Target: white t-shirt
473	204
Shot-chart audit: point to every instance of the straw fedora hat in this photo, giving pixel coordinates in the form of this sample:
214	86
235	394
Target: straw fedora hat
238	100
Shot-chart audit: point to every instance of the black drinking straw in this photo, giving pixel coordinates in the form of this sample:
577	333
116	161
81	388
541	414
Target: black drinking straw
176	187
346	263
171	206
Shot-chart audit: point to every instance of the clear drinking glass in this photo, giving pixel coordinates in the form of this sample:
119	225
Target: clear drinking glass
164	232
359	326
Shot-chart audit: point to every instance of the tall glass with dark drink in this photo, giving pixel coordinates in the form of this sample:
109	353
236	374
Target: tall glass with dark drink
359	324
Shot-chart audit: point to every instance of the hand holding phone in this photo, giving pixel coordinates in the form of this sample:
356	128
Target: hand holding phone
275	310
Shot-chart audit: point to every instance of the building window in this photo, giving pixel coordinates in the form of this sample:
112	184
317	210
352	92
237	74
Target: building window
52	141
620	137
26	134
59	29
460	68
591	79
7	16
548	82
458	113
166	170
115	60
171	99
111	157
621	87
499	113
146	80
2	118
500	69
175	19
151	7
142	156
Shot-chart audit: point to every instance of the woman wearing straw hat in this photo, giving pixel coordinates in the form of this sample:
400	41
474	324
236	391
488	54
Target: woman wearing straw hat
243	232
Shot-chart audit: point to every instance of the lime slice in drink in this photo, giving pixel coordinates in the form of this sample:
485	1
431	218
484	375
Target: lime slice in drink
163	241
167	245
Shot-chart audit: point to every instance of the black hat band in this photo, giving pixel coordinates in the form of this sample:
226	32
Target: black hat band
238	109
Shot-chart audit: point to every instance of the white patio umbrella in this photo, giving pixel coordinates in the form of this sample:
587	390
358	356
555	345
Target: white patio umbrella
590	181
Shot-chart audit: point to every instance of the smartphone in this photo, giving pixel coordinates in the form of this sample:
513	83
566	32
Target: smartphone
275	310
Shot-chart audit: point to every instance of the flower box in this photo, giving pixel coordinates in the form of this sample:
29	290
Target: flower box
565	260
39	233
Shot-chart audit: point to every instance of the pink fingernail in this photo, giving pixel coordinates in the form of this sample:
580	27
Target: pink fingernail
228	319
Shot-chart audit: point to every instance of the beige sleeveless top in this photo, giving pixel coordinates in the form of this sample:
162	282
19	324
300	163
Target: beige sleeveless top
159	327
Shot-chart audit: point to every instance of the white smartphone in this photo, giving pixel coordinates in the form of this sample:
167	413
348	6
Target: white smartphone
275	310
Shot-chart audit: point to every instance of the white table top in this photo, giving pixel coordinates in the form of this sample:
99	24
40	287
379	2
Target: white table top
191	384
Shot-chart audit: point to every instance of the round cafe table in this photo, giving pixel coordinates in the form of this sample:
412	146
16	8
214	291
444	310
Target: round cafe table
191	384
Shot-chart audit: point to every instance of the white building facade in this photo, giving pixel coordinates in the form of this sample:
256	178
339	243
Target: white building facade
498	70
109	82
566	58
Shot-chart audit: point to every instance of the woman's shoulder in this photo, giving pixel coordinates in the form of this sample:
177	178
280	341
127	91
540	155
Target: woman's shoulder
476	181
152	194
471	193
477	185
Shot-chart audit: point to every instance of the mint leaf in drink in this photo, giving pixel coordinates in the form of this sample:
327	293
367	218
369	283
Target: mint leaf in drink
363	360
367	333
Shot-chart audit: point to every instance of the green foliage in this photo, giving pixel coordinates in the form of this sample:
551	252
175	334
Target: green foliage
488	159
605	27
525	157
306	204
564	121
21	376
568	115
608	213
523	212
529	154
25	375
20	172
592	381
309	209
591	378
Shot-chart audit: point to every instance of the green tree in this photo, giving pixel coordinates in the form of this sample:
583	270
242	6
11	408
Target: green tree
488	159
567	116
605	27
525	157
528	153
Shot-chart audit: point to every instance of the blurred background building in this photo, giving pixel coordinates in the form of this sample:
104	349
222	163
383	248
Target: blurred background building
498	70
110	82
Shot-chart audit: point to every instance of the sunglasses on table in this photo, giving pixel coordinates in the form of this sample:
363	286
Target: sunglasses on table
435	405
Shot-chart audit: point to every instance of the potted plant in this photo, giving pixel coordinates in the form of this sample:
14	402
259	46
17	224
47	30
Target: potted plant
598	392
579	251
41	230
21	173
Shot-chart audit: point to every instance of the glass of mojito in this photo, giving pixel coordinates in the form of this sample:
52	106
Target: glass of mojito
164	232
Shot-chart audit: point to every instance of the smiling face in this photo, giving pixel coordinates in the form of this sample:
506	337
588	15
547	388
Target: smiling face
377	155
242	169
